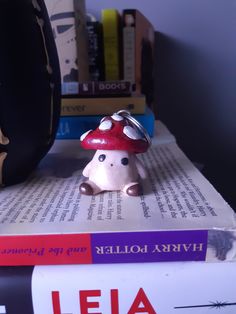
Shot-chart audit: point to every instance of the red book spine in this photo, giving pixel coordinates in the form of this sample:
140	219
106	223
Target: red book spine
45	249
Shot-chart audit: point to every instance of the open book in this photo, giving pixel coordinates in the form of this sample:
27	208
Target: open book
180	215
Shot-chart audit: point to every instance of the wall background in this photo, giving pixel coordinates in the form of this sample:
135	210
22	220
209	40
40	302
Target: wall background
195	79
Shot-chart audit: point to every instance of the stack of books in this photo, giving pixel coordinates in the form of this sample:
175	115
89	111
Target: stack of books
72	126
141	247
106	65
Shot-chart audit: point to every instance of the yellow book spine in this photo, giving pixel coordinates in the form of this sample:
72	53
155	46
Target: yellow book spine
102	106
110	22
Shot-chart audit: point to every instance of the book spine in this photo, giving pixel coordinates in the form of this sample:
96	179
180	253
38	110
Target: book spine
119	289
74	127
86	89
81	40
97	88
62	18
138	41
131	289
101	106
112	88
153	289
111	39
95	51
118	247
129	46
144	56
69	88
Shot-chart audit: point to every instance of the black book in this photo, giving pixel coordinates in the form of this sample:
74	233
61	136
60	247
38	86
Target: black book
95	51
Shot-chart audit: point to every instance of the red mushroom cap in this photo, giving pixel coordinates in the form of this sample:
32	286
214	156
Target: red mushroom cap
115	133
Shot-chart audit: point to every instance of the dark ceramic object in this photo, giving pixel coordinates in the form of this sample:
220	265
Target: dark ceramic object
29	88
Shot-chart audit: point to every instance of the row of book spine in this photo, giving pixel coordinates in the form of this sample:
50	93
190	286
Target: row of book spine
128	45
118	47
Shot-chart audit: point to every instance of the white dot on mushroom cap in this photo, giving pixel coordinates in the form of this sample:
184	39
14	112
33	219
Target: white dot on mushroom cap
131	133
117	117
105	125
82	137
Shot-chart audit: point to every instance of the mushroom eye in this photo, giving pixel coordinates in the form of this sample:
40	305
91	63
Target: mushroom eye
101	157
124	161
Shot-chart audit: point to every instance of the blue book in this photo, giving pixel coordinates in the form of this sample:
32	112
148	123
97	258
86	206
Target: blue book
74	127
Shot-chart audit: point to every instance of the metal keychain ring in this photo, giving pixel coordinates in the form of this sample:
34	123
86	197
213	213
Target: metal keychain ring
126	114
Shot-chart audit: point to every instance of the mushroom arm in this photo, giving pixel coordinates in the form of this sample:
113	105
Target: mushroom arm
141	169
87	169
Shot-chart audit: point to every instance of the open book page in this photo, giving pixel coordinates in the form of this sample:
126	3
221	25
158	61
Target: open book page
176	196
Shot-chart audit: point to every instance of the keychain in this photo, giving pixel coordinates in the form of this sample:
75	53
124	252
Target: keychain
115	165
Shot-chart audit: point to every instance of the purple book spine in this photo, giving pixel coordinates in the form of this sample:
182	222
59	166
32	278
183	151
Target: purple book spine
153	246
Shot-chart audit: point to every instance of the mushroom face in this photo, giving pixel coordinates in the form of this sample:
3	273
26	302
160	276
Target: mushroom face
112	170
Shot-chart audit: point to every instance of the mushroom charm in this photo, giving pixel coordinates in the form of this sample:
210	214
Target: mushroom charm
115	166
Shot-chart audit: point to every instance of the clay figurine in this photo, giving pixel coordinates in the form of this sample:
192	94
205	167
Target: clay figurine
115	165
